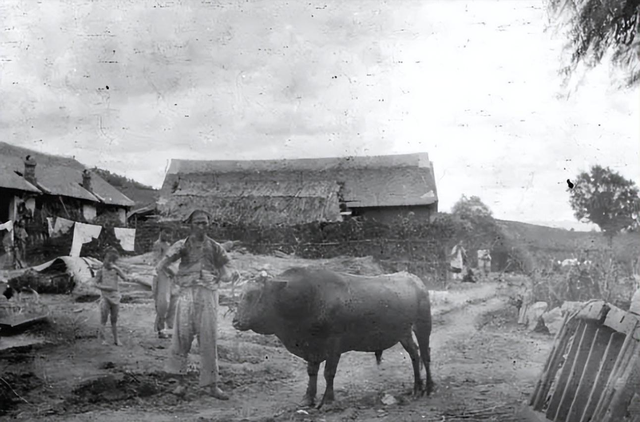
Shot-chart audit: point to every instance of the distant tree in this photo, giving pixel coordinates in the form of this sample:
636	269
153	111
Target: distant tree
597	27
471	209
605	198
476	222
119	181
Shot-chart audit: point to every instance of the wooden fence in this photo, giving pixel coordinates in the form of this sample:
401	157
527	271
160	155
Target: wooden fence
593	371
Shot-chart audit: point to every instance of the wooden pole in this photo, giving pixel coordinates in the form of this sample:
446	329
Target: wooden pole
589	373
565	372
551	365
626	351
625	387
606	365
577	368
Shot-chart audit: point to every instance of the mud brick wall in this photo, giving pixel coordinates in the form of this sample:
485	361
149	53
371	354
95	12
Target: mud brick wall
418	248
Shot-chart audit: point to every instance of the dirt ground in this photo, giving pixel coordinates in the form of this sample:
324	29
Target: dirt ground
483	363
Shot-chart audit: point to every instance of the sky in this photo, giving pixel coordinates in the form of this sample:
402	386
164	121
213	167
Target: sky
126	85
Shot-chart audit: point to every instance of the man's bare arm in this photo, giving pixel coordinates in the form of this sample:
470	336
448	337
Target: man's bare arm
228	274
223	263
172	255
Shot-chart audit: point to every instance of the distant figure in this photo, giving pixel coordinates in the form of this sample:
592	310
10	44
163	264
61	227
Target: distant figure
7	245
165	291
38	226
24	214
107	282
469	277
458	260
484	261
20	237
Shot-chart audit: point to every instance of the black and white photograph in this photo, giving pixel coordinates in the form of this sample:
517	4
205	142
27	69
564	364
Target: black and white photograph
320	211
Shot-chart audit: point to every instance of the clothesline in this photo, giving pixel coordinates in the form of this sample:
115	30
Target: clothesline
82	233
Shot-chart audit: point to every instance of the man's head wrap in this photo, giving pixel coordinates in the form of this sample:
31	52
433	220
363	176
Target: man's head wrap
195	213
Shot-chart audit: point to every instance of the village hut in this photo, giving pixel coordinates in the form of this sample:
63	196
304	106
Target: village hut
272	192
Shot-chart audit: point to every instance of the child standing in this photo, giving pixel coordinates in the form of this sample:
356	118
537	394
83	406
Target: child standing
107	282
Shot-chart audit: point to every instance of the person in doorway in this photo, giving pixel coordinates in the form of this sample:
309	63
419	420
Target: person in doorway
165	291
107	282
203	265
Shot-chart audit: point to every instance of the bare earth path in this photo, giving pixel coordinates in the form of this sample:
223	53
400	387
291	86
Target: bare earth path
483	364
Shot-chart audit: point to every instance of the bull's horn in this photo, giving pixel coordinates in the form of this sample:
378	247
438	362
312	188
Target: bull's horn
275	280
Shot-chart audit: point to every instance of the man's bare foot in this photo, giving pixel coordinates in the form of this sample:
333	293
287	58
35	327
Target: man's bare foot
117	343
179	391
215	392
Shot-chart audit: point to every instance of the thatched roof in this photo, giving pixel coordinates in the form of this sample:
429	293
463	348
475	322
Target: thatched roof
55	176
10	180
262	202
374	181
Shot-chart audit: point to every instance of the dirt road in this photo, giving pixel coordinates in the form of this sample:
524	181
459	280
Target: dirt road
483	364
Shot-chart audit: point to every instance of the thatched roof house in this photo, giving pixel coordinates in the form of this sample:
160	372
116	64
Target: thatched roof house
60	183
302	190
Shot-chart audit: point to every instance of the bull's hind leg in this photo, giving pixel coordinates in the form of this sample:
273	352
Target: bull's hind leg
310	397
412	348
330	368
378	357
423	332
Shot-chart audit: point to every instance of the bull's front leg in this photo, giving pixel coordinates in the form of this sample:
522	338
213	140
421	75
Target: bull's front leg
312	388
330	368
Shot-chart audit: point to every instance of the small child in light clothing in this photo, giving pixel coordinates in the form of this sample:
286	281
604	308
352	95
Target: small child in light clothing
107	282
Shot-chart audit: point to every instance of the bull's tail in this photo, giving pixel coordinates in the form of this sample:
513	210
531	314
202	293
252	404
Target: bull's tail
378	357
422	330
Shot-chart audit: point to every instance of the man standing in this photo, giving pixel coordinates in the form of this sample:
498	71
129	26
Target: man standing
165	292
203	265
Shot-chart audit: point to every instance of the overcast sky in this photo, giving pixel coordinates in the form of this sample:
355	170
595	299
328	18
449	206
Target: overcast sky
127	85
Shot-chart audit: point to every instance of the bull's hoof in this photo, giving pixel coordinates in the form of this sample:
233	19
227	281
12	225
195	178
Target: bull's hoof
327	399
418	391
307	401
431	388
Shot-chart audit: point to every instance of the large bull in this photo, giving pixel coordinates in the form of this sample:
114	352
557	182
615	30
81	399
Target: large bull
319	314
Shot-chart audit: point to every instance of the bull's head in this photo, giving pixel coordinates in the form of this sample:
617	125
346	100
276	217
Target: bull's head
255	311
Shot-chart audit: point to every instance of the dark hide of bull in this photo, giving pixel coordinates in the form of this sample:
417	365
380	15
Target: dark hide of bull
319	314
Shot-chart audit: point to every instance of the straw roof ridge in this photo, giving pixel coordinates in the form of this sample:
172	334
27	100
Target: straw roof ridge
179	166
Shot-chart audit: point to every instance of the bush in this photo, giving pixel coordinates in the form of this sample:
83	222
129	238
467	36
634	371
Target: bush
601	280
